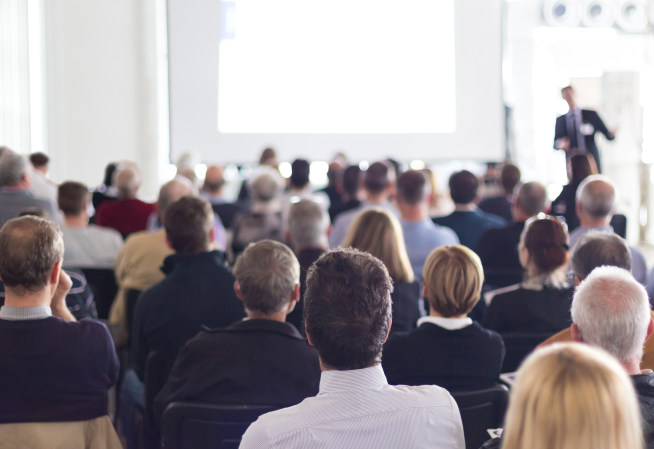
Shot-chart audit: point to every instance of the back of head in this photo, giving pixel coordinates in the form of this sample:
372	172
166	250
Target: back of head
612	311
128	182
463	187
29	249
378	178
376	231
267	272
597	196
510	177
572	396
213	179
265	187
72	197
532	198
453	277
300	169
39	160
188	222
546	239
347	308
595	249
172	191
351	176
13	168
412	187
580	168
268	157
308	223
109	171
332	172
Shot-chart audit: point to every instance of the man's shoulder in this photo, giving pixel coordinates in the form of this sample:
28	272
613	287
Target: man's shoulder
492	219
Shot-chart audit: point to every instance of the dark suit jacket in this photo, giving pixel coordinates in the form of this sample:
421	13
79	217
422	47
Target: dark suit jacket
498	251
589	117
226	212
644	384
462	359
470	225
565	206
252	362
499	206
405	307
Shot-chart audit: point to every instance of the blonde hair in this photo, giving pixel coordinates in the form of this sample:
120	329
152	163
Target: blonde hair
453	277
572	396
378	232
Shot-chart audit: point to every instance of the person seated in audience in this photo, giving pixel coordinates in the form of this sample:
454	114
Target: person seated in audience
447	349
308	230
348	316
264	219
332	190
15	195
498	248
267	161
54	369
212	191
440	203
541	303
571	396
41	186
467	220
299	187
565	204
421	235
597	201
259	361
127	214
611	310
378	232
105	191
348	185
86	246
378	183
501	205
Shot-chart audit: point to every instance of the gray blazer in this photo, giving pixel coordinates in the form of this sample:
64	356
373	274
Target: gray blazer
12	202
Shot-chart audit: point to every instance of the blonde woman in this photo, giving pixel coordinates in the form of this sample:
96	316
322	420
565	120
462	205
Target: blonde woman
447	349
378	232
571	396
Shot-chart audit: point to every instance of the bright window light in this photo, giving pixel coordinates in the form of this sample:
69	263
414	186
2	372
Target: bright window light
417	165
285	169
201	171
553	191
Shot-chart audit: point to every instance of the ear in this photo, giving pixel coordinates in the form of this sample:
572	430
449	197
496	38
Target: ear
54	276
576	281
237	290
578	208
329	231
650	329
390	324
212	234
287	237
524	256
576	333
170	245
295	297
309	340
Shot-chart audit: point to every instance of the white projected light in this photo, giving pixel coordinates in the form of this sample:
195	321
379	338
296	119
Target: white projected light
338	66
565	13
598	13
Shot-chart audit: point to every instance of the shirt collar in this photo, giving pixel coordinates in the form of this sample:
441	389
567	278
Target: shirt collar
25	313
450	324
356	379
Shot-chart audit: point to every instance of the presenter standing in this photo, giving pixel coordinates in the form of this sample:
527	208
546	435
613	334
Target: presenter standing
575	131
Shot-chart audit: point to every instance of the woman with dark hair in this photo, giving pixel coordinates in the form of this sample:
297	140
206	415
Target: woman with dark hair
541	303
106	190
581	167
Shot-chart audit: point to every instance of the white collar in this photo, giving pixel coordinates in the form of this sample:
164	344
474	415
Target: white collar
451	324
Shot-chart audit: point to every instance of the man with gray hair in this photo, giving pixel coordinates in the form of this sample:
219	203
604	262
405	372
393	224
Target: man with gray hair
16	181
597	200
612	311
261	360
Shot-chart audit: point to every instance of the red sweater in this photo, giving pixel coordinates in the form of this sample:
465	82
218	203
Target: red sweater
125	216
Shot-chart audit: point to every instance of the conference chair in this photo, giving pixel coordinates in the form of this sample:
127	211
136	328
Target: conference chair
481	410
202	426
103	284
518	347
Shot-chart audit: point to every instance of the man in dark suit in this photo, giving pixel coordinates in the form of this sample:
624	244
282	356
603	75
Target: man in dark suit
575	131
502	205
259	361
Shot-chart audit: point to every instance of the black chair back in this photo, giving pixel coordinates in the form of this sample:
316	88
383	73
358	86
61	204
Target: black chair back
131	297
481	410
104	287
518	347
157	369
199	426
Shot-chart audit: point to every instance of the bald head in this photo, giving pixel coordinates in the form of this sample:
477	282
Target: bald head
596	199
172	191
532	200
128	182
213	180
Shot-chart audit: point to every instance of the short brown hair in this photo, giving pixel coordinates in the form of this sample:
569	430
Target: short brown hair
463	187
29	249
510	177
188	222
412	187
39	159
453	277
72	197
546	239
377	178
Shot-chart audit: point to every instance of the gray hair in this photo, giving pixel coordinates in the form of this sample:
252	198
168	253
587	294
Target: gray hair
264	187
598	248
127	181
308	223
13	167
267	272
532	198
612	311
598	196
171	192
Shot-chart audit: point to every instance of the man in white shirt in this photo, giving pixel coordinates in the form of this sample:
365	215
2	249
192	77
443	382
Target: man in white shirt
87	246
347	310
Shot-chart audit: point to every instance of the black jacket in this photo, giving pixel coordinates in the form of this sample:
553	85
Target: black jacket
306	257
252	362
198	290
498	251
462	359
644	384
406	309
587	117
565	205
498	205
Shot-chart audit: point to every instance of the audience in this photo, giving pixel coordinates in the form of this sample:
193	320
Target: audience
541	303
54	369
498	248
378	232
597	200
447	349
501	205
16	181
259	361
421	235
86	246
212	191
267	161
348	316
127	214
308	230
565	204
378	182
348	185
106	191
467	220
299	187
571	396
332	190
41	186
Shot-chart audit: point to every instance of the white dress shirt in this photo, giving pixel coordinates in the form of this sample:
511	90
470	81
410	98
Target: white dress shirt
358	409
451	324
